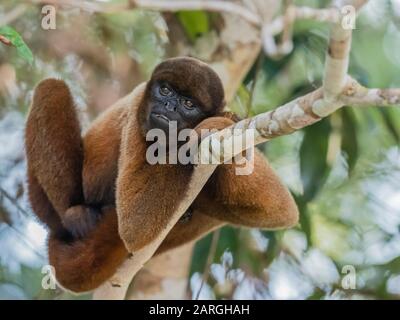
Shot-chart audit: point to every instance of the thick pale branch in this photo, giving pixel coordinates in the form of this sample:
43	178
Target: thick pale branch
164	277
355	95
337	60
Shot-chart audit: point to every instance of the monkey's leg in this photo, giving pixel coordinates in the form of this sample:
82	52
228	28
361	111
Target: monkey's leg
256	200
195	228
42	206
84	264
147	199
54	154
146	195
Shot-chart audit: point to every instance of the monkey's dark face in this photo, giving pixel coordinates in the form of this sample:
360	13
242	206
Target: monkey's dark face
184	90
167	104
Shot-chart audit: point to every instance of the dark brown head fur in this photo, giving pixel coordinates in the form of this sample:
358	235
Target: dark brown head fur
196	79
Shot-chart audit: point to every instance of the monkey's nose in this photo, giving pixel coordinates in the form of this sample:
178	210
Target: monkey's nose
169	106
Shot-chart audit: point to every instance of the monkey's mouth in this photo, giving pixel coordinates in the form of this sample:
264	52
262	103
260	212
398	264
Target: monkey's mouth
160	118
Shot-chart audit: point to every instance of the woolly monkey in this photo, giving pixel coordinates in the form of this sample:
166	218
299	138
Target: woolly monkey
77	184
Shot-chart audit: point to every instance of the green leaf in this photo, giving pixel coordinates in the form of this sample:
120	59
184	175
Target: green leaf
318	294
195	23
390	125
269	67
313	158
273	248
240	103
349	137
313	43
305	220
16	40
228	240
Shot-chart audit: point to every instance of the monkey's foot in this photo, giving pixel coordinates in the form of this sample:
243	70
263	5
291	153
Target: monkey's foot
80	220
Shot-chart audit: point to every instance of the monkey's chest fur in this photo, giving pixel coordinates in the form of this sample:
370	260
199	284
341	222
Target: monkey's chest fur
101	146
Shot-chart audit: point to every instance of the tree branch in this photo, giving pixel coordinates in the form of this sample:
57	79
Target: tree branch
336	61
165	276
355	95
246	11
83	5
285	22
5	40
161	5
208	5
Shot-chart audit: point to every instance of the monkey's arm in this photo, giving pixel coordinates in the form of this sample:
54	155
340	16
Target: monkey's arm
146	195
199	225
256	200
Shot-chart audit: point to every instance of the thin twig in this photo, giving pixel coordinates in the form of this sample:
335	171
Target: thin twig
13	200
172	5
5	40
208	5
23	238
20	234
210	259
284	23
355	95
259	63
286	44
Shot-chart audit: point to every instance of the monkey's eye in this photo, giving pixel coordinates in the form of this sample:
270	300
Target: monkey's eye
165	91
188	104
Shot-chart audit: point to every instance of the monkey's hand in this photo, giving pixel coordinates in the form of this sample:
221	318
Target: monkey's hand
80	220
219	123
213	123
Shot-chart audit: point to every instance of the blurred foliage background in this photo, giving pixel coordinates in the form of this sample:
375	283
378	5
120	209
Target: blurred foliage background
343	171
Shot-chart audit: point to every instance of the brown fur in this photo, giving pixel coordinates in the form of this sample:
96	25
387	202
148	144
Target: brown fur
52	115
63	174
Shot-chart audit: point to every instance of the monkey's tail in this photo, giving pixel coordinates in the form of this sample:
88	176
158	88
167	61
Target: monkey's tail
83	265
